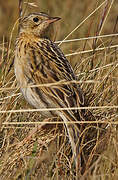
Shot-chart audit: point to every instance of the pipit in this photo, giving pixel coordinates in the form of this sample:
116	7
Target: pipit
40	61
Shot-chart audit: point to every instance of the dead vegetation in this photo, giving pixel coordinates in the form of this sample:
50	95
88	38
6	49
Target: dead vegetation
36	148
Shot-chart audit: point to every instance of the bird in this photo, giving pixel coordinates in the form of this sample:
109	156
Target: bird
39	60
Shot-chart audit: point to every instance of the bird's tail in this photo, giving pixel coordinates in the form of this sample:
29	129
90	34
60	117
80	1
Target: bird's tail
73	133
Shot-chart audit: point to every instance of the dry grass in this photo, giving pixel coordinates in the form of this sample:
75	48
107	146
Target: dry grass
35	148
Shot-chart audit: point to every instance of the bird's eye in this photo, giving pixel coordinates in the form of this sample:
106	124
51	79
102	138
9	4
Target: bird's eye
35	19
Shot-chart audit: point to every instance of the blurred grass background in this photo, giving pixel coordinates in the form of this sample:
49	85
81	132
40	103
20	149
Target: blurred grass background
24	157
72	13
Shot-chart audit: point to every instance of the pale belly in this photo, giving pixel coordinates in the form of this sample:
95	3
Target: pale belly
30	94
40	103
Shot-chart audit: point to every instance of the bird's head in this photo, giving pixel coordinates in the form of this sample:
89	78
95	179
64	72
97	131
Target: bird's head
37	23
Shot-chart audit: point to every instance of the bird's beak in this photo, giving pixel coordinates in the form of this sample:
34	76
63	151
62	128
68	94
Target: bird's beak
53	19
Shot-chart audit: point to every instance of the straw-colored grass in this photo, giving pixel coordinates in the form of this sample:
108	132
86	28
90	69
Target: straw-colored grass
36	148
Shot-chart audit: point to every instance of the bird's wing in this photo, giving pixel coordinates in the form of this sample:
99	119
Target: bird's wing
49	65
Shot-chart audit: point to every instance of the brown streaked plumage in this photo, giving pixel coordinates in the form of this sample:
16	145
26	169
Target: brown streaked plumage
38	60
